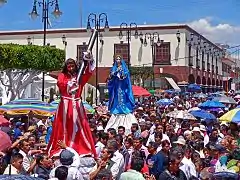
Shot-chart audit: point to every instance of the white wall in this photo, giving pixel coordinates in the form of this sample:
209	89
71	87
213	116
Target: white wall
140	55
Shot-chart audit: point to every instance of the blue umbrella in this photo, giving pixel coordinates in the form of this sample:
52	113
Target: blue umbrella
18	177
170	91
200	95
203	115
164	102
211	104
194	88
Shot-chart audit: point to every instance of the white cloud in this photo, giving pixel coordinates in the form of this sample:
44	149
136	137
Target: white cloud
219	33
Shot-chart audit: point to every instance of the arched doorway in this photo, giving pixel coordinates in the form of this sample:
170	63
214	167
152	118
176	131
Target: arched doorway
191	79
208	85
217	84
204	82
213	85
198	80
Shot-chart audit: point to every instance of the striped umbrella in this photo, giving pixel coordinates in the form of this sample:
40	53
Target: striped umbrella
24	109
88	108
28	101
231	116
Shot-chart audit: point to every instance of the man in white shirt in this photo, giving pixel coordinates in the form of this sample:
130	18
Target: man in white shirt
117	158
28	164
188	166
16	166
103	138
151	138
69	158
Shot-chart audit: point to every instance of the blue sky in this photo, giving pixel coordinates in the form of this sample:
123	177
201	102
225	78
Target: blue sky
14	14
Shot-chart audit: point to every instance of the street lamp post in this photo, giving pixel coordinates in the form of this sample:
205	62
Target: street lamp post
154	40
64	41
2	2
45	4
97	20
128	28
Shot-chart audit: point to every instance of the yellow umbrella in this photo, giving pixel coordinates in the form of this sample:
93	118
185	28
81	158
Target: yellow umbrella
231	116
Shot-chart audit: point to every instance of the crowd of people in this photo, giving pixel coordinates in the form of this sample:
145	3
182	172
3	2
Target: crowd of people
130	139
158	147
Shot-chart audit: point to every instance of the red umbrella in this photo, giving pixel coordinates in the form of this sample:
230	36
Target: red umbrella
140	91
4	121
5	141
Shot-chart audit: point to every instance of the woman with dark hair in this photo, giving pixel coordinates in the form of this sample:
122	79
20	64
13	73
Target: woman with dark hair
70	124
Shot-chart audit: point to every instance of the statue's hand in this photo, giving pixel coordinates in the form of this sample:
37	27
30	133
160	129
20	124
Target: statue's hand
87	56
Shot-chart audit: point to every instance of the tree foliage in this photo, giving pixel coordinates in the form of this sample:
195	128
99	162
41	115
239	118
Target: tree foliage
142	73
44	58
21	65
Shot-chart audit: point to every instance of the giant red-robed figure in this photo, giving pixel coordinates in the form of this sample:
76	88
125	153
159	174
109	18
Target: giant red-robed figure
70	123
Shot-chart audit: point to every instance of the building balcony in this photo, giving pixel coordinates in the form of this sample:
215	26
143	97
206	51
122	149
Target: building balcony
208	67
198	64
190	61
203	65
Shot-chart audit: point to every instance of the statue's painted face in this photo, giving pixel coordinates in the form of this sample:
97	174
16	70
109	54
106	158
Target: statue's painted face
118	59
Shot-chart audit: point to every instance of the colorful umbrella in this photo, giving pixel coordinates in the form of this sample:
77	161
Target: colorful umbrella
231	116
18	177
152	91
28	101
140	91
225	100
5	141
211	104
194	88
180	114
24	109
4	121
203	115
164	102
88	108
200	95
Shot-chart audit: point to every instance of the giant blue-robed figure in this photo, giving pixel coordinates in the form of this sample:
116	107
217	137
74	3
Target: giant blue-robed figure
121	99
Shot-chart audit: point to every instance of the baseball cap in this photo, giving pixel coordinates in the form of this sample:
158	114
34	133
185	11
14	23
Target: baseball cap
66	157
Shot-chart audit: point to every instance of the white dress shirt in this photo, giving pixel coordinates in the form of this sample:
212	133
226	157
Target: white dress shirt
26	160
118	167
99	147
73	172
152	138
188	168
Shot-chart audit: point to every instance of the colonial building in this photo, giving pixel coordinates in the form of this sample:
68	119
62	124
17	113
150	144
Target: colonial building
178	54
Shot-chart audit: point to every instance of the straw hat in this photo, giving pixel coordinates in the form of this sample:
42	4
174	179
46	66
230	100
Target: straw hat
196	129
202	128
180	140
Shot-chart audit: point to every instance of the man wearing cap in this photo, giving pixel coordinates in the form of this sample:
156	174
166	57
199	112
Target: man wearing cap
69	158
18	130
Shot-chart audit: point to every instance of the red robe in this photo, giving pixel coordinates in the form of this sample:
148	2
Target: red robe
70	123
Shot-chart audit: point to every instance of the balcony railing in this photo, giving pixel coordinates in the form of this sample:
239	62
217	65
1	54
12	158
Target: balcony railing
198	63
190	59
203	65
208	67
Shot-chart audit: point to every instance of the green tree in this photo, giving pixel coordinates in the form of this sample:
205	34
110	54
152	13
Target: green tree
141	73
21	64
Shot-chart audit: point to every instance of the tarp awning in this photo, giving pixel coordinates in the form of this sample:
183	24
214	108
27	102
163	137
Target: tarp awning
173	84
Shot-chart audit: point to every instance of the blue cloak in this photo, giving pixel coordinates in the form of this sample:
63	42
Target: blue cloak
121	99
